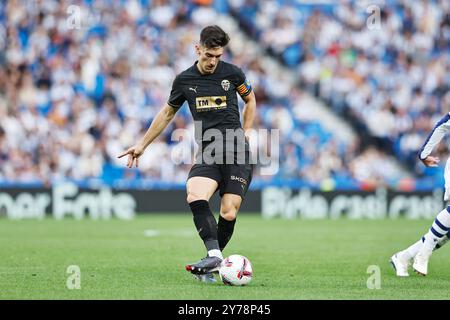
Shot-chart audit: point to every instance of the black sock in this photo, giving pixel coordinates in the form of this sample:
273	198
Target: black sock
225	230
205	223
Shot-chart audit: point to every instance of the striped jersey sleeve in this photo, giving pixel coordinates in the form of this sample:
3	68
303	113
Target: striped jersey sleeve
435	136
243	84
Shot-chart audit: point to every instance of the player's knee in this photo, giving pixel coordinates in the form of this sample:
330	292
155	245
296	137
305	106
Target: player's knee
191	197
229	213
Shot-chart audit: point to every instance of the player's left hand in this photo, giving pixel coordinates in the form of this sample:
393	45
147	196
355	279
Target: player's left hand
247	135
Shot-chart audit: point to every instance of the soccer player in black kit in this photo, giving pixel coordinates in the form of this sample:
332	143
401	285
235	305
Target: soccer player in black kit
210	87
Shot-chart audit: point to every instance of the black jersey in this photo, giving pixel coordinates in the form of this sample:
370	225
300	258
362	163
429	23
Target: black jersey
212	98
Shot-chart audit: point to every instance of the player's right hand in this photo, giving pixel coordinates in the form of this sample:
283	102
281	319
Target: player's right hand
133	154
431	161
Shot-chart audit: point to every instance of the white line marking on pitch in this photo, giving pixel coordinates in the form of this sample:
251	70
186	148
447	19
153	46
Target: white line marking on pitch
184	233
151	233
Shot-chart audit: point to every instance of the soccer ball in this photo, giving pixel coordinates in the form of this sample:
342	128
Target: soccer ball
236	270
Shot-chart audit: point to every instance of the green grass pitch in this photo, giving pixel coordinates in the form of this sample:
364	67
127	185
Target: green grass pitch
292	259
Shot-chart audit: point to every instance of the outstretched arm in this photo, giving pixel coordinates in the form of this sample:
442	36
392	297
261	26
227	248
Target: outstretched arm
159	123
433	139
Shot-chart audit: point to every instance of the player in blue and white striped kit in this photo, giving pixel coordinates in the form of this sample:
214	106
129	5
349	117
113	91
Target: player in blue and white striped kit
439	232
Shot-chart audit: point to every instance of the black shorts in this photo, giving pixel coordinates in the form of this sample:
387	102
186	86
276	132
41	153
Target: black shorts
232	178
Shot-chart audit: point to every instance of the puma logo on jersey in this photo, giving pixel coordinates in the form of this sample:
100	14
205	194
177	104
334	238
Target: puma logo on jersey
193	89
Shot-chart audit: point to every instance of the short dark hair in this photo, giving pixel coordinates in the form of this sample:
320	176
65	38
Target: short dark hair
213	37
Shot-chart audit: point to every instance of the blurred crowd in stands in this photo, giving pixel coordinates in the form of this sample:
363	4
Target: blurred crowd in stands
384	65
75	93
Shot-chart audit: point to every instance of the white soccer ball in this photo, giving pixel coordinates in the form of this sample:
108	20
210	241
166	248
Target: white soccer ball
236	270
